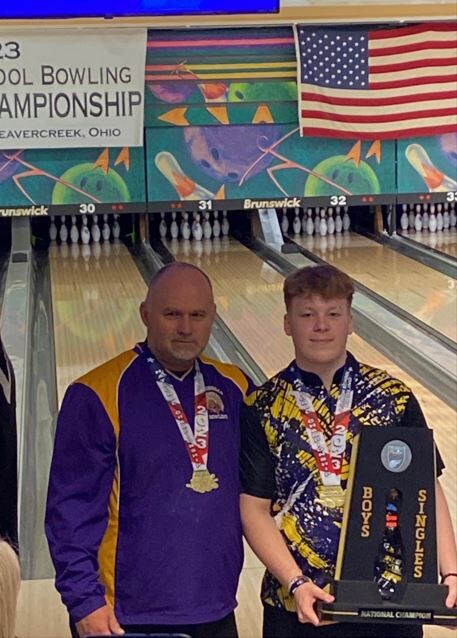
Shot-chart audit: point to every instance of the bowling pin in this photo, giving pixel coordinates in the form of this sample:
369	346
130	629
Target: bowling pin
309	222
85	232
53	229
446	217
432	225
323	224
174	230
296	224
95	230
425	217
404	222
317	221
207	230
439	217
74	232
418	222
225	224
411	216
216	224
284	221
185	228
106	230
338	220
453	216
63	230
197	230
330	222
116	227
163	226
346	219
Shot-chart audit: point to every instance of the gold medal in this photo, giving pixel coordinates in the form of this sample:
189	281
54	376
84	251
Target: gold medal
331	496
202	481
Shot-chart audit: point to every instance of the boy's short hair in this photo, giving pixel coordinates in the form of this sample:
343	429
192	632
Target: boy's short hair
325	281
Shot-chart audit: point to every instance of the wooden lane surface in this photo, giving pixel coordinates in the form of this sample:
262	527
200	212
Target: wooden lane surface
443	241
423	292
95	307
249	298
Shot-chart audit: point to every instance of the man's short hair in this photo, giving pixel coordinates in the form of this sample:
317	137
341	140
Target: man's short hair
325	281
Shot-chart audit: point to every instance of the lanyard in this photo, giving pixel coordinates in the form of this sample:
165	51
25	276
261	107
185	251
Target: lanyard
330	458
197	443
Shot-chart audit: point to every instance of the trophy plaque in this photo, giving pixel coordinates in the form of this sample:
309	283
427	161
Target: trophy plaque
386	568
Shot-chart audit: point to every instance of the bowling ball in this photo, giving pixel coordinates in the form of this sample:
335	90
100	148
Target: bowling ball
106	187
226	152
356	179
262	91
172	92
448	143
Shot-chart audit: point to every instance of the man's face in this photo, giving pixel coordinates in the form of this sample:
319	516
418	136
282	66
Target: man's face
179	313
319	330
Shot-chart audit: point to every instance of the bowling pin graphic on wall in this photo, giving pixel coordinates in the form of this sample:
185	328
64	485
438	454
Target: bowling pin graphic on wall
186	188
435	179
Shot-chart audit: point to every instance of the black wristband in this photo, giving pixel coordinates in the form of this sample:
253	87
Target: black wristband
444	576
296	582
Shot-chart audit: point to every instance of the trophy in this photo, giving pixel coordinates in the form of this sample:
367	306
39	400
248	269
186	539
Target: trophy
387	557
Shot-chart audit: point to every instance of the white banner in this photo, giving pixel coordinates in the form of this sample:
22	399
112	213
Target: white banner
72	88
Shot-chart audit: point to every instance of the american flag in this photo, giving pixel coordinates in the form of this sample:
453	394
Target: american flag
377	83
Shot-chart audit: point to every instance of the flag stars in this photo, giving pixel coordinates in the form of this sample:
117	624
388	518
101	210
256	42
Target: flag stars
333	59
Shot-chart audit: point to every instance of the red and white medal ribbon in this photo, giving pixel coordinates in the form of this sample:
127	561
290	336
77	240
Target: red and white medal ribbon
197	443
329	459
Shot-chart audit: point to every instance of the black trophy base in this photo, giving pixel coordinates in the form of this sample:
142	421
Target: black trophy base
416	604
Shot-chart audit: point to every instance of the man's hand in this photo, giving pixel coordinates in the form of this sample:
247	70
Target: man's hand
305	598
101	622
451	599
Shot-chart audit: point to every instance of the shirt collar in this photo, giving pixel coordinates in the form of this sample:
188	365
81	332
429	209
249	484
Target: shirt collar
313	380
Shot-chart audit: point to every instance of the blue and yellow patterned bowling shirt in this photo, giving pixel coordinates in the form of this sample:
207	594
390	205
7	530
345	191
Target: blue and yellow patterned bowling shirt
277	461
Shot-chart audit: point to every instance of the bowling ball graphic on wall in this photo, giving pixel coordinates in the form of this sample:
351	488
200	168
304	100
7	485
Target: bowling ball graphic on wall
103	186
227	152
260	91
172	92
356	180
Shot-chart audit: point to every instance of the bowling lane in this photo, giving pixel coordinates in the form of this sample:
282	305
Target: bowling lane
423	292
444	241
249	300
96	290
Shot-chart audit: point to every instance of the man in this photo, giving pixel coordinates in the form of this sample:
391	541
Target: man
8	451
323	396
143	516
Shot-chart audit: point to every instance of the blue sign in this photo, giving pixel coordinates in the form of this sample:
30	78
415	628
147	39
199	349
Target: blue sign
16	9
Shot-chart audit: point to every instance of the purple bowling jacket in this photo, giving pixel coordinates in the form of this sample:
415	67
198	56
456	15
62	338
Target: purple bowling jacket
122	526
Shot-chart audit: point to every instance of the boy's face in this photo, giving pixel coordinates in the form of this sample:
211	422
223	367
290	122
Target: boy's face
319	329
